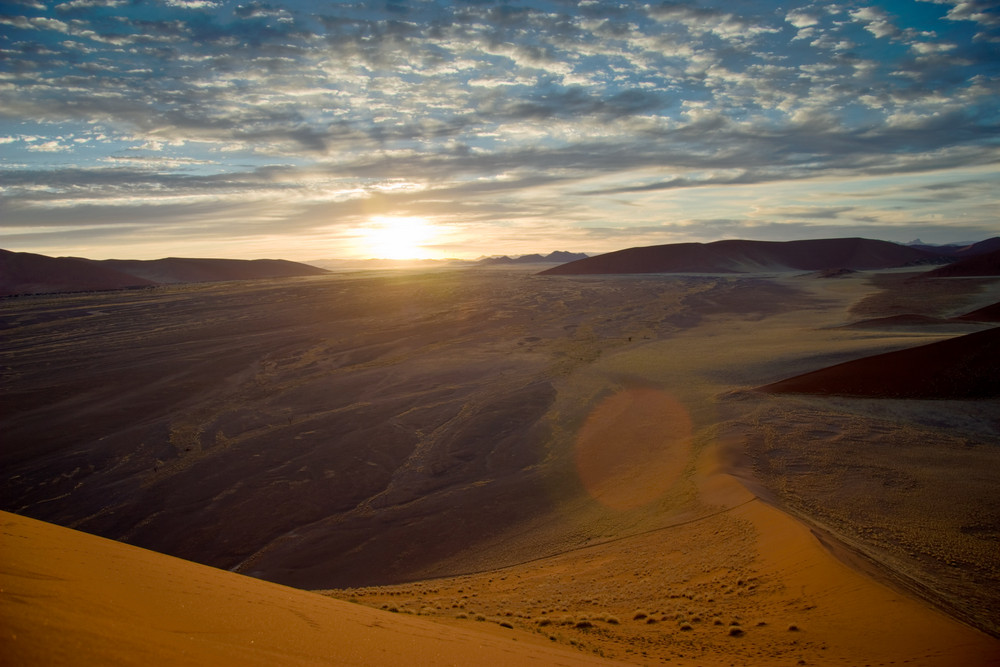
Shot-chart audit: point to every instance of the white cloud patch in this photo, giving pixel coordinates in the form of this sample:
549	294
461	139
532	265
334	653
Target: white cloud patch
801	19
497	110
191	4
87	4
876	21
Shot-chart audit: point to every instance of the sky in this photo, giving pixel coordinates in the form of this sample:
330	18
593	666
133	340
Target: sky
306	130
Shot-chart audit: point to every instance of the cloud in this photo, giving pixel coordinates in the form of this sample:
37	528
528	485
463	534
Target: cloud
812	212
699	21
486	107
191	4
983	12
76	5
876	21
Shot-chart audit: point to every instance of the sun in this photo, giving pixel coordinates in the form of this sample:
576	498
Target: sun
391	237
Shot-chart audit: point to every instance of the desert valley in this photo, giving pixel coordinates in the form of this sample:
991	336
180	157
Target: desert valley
735	453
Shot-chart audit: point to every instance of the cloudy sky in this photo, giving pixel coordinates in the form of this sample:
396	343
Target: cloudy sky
303	130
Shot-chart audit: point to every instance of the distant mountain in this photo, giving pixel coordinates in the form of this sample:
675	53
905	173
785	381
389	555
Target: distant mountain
197	270
959	250
738	256
986	264
28	273
557	257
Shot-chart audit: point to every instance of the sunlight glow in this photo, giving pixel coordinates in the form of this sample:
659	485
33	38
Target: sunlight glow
398	237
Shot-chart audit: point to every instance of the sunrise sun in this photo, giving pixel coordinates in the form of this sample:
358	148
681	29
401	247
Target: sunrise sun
390	237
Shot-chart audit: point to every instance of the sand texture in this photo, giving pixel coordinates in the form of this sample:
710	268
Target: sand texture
585	458
68	598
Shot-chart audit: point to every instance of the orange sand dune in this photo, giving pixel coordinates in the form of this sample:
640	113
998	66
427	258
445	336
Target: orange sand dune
71	598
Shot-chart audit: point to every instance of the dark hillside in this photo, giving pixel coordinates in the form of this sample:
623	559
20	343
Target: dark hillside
738	256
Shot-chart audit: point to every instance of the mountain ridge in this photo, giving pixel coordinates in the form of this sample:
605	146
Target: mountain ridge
560	256
745	256
30	273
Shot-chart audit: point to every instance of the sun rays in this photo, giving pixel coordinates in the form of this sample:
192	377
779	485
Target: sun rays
392	237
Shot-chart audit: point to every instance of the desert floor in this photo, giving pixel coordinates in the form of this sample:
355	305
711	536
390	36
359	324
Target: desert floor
583	458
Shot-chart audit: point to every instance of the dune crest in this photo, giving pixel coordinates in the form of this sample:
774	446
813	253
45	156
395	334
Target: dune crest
965	367
739	256
28	273
72	598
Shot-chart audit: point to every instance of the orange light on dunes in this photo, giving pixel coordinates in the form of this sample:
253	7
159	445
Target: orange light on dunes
633	447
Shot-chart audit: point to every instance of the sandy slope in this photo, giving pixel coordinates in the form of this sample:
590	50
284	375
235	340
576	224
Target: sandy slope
68	598
719	559
962	367
358	429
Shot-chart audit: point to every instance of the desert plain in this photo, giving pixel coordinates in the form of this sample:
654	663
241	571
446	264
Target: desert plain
603	464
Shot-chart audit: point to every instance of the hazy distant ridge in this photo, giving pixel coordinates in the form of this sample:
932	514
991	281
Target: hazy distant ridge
739	256
28	273
559	256
194	270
